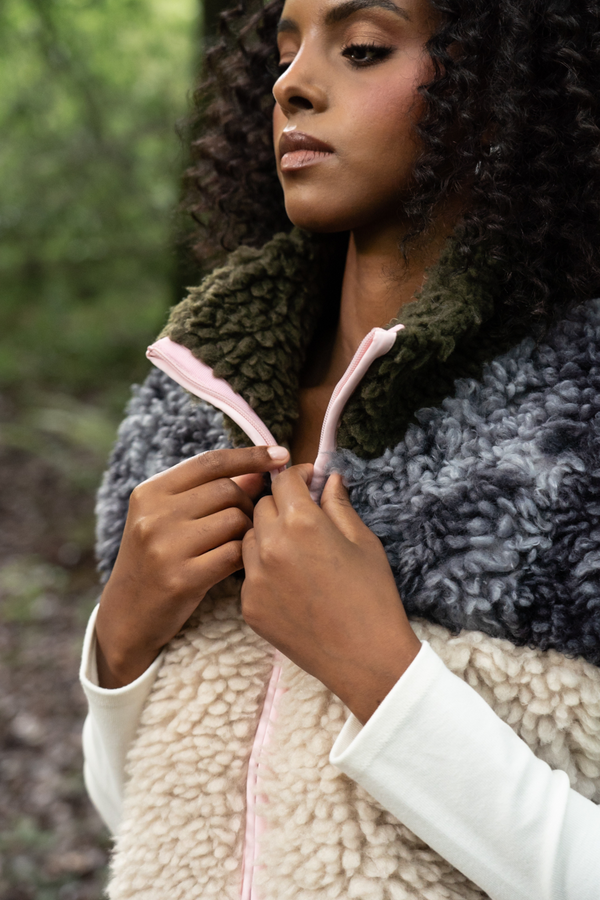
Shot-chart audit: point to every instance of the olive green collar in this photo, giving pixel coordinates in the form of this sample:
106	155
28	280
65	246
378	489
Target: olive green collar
253	320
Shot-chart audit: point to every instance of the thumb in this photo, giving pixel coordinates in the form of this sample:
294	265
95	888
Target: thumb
336	505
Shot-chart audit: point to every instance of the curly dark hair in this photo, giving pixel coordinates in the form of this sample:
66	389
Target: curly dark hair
511	118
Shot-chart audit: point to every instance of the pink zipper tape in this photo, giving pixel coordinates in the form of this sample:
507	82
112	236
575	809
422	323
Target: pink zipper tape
196	377
181	365
377	343
255	823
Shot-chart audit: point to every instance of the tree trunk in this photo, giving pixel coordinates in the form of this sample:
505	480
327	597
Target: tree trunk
212	8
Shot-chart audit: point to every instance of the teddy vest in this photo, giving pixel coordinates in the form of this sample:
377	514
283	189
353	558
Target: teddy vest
471	449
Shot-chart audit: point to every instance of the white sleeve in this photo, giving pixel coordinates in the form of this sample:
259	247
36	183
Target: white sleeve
109	729
437	756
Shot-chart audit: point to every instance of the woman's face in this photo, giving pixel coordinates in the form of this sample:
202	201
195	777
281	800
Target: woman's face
345	108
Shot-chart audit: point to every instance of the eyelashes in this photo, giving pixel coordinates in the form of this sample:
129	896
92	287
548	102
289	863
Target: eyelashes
360	56
363	55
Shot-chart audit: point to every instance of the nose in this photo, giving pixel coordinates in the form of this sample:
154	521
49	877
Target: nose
297	89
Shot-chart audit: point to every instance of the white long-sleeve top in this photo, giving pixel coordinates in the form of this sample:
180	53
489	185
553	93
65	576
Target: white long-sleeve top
436	756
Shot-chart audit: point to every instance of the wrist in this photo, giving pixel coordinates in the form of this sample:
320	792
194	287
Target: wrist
119	662
119	670
369	684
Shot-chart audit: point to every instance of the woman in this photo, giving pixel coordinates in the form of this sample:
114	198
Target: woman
441	162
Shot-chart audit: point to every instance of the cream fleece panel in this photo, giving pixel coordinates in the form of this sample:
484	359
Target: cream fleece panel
184	805
552	702
327	837
500	814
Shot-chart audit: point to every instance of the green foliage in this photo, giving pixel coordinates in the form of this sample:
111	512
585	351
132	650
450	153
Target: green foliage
89	166
24	585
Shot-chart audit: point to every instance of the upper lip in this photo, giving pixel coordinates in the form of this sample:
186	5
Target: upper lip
297	140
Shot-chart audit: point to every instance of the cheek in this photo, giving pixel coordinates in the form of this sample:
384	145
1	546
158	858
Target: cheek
389	124
279	123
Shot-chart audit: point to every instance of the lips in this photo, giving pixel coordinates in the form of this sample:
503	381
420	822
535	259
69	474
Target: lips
297	150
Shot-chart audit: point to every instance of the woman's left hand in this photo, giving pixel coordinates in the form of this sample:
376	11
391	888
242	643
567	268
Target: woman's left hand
319	587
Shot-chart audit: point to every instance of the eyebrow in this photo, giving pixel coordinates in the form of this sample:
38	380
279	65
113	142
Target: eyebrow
341	12
344	11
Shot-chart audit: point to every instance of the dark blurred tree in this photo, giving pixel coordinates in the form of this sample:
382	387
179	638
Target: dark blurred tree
212	9
89	167
185	269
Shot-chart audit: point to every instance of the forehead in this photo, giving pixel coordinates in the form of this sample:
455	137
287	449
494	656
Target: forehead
330	12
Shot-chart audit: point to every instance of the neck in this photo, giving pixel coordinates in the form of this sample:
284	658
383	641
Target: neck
378	283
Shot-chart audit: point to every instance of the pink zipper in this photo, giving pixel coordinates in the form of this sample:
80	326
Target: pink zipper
195	376
255	824
378	342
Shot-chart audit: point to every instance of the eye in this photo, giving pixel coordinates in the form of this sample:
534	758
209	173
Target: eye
362	55
276	68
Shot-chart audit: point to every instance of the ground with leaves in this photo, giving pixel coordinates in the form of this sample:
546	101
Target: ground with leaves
52	843
92	92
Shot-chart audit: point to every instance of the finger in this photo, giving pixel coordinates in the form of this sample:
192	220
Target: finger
291	487
265	513
220	464
203	535
217	564
336	505
213	497
249	547
253	485
250	555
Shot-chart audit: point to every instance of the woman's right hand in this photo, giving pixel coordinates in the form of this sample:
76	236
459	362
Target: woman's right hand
183	534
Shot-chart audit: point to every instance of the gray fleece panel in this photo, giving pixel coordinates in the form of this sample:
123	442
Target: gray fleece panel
489	510
163	426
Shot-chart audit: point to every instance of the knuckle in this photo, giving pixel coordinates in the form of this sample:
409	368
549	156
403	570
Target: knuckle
300	519
157	557
211	463
146	528
138	495
263	504
236	519
175	584
229	492
269	551
232	553
250	611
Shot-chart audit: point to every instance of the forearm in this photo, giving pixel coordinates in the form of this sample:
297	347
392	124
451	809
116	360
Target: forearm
437	756
109	729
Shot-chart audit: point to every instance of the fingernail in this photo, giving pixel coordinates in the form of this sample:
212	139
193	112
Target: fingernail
278	453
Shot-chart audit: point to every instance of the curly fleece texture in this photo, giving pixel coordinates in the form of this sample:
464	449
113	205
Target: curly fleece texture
489	510
162	427
252	321
326	837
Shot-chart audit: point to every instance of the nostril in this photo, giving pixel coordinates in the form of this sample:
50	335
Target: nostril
300	103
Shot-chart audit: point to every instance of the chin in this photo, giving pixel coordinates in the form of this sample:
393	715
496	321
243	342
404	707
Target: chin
319	221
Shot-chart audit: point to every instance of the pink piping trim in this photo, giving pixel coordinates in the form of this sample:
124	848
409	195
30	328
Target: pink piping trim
378	342
255	824
198	378
195	376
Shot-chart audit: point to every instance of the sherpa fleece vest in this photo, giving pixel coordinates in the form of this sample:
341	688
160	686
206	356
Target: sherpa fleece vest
488	505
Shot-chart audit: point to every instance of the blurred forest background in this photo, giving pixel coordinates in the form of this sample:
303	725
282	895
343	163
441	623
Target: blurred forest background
91	92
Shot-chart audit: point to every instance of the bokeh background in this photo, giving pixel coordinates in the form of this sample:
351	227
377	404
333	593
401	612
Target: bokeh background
91	96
